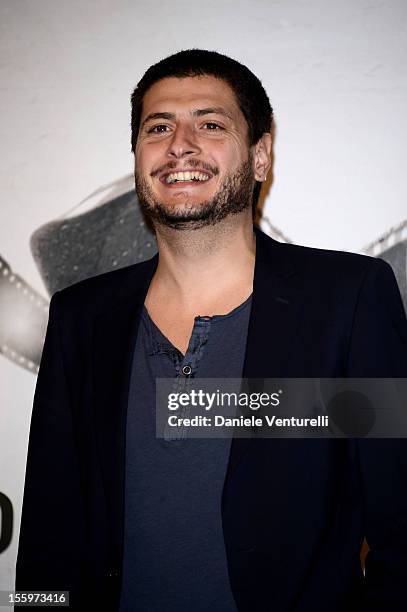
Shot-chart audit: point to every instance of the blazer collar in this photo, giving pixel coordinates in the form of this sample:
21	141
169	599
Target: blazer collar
274	315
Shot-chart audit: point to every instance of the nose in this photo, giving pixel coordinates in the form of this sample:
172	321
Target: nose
183	143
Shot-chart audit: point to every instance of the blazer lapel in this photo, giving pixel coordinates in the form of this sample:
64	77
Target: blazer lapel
276	312
115	334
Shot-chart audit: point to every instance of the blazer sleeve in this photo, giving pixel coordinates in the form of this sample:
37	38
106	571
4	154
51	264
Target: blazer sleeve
378	348
52	523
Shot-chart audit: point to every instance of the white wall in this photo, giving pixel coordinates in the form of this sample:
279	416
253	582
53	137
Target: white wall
336	75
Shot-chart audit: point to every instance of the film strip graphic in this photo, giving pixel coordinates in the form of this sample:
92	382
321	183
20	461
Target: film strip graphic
23	319
391	238
271	230
392	247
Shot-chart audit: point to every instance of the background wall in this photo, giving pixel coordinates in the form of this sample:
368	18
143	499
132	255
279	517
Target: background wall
336	75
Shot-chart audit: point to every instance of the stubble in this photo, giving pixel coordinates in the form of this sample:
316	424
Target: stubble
233	197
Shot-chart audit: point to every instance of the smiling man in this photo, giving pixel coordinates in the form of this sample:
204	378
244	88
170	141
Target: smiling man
128	521
185	191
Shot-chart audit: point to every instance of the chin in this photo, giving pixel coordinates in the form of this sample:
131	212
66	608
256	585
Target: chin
183	208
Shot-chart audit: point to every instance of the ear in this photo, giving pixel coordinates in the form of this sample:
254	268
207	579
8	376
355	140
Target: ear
262	157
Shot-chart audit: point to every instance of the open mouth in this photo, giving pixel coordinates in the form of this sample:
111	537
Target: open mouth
185	177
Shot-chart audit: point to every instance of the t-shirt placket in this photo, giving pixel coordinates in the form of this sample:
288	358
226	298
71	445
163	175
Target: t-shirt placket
186	369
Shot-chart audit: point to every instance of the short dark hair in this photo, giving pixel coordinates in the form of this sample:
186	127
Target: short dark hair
250	93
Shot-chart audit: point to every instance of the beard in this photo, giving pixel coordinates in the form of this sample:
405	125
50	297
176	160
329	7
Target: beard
234	196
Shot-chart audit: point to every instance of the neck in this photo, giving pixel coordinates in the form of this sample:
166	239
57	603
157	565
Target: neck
197	267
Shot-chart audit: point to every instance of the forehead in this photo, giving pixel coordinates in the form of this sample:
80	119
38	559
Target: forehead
175	94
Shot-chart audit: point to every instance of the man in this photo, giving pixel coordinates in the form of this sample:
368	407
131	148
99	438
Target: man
126	521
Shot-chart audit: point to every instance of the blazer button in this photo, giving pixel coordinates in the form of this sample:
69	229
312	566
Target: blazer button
186	370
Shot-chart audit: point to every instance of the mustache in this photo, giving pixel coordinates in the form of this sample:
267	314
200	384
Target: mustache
191	163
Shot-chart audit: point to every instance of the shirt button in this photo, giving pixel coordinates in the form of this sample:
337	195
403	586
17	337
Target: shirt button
186	370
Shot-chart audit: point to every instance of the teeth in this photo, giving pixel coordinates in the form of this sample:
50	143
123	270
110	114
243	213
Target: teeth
186	176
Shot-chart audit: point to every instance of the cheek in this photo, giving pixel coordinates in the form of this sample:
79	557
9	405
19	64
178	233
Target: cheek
149	156
142	162
231	153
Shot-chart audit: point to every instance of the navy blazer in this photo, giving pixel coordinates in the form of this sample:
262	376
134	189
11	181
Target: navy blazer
294	512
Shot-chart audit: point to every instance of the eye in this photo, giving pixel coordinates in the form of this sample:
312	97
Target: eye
211	126
158	129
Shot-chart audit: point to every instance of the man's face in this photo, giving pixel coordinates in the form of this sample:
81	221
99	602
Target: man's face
192	158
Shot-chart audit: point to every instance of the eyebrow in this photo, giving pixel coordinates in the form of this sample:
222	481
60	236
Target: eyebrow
216	110
200	112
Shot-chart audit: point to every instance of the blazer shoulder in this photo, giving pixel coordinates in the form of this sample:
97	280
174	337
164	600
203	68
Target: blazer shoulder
98	293
334	264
